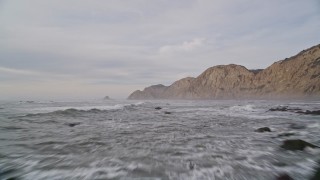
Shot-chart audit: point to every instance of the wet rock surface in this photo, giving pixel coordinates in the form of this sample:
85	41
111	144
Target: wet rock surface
317	112
295	110
284	109
296	144
263	129
297	126
284	177
73	124
316	175
286	134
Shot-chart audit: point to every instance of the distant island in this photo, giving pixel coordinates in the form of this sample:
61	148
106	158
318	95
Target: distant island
106	98
294	77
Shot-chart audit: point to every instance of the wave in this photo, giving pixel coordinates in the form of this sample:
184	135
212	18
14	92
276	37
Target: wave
248	107
67	111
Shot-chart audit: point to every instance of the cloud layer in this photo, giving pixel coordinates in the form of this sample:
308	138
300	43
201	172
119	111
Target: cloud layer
98	48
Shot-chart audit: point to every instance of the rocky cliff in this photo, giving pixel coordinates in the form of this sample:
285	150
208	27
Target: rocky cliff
294	77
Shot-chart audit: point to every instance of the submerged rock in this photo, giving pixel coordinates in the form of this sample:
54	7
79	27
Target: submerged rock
158	108
191	165
9	173
284	177
295	110
166	112
73	124
296	144
263	129
13	178
285	134
279	109
286	108
317	112
296	126
316	176
106	98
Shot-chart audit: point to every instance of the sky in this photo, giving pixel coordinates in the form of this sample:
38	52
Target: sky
83	49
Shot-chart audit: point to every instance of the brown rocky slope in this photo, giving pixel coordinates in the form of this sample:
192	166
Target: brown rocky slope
295	77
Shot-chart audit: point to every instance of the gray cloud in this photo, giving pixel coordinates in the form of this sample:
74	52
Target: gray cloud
113	47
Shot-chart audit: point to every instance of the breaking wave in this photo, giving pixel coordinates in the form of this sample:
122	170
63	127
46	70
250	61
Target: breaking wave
248	107
69	111
138	140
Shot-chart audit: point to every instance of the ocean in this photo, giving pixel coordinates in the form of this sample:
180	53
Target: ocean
155	140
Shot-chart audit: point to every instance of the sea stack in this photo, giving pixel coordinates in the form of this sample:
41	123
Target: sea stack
106	98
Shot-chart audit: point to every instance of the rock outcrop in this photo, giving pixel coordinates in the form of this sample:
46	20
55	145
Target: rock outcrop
296	144
263	129
106	98
295	77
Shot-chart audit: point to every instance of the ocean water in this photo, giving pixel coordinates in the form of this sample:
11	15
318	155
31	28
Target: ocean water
133	140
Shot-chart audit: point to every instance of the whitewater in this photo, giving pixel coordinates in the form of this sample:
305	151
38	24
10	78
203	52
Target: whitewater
155	140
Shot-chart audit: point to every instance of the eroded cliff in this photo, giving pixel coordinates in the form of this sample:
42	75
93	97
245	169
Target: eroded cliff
294	77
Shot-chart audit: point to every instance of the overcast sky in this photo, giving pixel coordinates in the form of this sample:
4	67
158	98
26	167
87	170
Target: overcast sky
92	48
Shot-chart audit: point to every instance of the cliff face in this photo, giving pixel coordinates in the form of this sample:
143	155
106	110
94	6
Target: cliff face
152	92
295	77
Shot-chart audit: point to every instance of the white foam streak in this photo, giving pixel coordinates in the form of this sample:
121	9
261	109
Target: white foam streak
84	107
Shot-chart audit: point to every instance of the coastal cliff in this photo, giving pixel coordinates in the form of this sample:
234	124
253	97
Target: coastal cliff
294	77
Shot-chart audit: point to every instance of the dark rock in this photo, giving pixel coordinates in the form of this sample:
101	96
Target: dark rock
284	177
279	109
296	144
13	178
107	98
295	110
317	112
286	108
316	176
191	165
158	108
263	129
9	173
296	126
285	134
73	124
217	156
166	112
